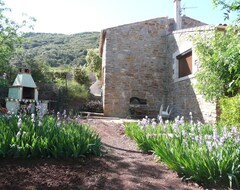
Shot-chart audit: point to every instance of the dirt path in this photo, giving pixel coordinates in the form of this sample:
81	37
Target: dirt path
127	167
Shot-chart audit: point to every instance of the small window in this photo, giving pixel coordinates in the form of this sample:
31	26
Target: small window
184	64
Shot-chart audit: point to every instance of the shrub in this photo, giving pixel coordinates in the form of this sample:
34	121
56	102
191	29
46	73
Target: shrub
81	76
92	106
76	90
230	111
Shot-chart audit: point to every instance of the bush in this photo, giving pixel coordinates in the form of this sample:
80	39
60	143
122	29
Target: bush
76	90
92	106
230	111
47	137
81	76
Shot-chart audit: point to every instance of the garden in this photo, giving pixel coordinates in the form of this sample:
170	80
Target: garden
207	154
24	136
64	150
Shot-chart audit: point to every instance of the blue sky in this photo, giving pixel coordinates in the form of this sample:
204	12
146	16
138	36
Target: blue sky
75	16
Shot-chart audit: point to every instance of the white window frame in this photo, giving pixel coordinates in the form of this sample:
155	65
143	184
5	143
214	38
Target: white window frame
188	46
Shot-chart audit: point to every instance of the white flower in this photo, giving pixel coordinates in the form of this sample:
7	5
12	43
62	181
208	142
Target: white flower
4	76
154	124
39	123
19	124
238	140
58	124
139	122
18	134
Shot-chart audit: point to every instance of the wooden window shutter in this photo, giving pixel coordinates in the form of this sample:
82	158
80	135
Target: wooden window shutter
185	64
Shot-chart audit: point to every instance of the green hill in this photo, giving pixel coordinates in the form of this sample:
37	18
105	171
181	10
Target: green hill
60	49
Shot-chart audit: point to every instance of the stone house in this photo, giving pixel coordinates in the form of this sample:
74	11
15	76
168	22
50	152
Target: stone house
153	61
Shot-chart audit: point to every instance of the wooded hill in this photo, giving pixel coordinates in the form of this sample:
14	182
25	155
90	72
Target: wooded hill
60	49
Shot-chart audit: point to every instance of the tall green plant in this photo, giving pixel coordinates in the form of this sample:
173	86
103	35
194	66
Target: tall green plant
10	36
94	62
229	7
219	60
81	76
230	111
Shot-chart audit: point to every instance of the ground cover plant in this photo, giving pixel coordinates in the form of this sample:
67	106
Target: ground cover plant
42	137
207	154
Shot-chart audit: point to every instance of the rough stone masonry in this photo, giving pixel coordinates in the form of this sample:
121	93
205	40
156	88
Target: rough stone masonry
138	61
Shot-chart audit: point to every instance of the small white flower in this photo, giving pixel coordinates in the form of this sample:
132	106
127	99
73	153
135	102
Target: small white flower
58	124
139	122
18	134
19	124
154	124
39	123
238	140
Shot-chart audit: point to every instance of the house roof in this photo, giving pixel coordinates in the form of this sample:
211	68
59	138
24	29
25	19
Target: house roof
203	28
25	80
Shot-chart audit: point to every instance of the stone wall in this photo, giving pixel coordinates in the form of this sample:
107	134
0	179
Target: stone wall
184	96
135	66
188	22
138	62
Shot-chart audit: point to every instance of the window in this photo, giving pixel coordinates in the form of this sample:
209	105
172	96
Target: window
184	64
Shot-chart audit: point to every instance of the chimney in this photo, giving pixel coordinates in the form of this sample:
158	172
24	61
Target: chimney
177	14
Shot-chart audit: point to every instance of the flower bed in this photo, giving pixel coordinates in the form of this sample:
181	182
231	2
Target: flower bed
203	153
48	136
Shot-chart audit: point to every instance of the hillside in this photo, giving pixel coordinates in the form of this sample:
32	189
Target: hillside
61	49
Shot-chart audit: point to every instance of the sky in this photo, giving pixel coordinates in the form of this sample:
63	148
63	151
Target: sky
76	16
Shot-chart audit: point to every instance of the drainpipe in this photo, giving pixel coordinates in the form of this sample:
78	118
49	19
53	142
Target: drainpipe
177	14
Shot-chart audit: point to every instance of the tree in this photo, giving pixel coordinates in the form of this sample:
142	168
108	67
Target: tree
39	68
81	76
11	36
229	7
219	60
94	62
